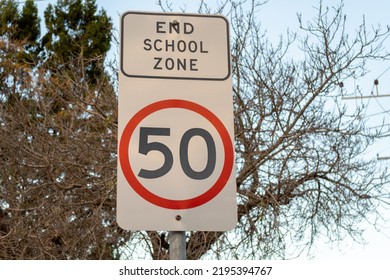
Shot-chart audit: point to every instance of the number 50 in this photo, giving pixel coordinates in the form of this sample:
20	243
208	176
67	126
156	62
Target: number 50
145	147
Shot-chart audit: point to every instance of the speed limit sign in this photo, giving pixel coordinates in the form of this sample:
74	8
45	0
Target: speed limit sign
176	167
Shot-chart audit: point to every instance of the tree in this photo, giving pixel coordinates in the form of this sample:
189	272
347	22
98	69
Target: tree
77	30
18	46
301	167
28	24
299	154
57	147
57	179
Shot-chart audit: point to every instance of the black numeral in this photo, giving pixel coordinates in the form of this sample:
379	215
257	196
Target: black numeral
145	147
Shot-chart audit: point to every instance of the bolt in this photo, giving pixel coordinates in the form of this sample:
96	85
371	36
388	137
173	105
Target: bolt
178	217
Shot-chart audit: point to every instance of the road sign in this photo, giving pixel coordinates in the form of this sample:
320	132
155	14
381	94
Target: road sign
175	46
176	168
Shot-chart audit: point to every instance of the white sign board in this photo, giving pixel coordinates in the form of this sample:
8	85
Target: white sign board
176	168
175	46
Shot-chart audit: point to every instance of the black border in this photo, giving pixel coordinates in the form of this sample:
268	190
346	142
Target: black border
179	15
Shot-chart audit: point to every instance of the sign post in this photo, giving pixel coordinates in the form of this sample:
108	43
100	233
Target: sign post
177	245
176	167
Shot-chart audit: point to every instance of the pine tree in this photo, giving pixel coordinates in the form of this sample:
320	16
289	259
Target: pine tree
57	121
19	41
8	18
28	24
77	30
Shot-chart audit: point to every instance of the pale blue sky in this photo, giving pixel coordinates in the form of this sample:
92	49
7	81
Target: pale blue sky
276	17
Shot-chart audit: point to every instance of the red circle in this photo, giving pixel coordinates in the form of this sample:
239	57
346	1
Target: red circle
170	203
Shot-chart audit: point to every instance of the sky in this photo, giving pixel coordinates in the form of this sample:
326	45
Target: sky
277	16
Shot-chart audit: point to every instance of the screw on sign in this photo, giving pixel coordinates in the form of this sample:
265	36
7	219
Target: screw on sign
169	203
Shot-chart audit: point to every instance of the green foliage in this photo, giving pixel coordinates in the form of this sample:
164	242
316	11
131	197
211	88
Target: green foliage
21	26
76	29
28	23
8	17
19	41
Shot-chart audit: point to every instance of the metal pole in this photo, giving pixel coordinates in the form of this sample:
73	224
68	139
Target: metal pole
177	245
364	96
383	158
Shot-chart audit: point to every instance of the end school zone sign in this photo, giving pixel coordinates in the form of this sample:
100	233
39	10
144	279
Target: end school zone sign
176	165
175	46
